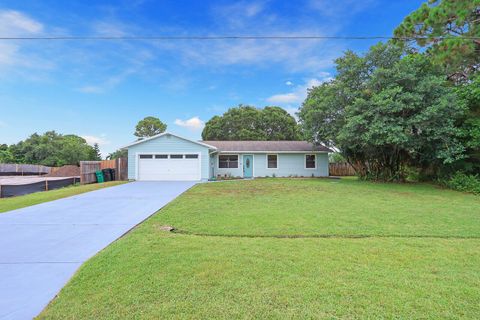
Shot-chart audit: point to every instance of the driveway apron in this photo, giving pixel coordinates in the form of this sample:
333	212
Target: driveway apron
42	246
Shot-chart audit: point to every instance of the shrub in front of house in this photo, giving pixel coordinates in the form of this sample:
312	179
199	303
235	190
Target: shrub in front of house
227	176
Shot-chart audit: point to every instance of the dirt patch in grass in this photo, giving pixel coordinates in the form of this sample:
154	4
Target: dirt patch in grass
65	171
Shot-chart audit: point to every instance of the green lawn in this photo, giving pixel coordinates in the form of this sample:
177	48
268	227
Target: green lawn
418	256
324	207
7	204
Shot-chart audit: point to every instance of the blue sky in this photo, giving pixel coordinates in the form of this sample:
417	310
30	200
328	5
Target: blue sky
101	89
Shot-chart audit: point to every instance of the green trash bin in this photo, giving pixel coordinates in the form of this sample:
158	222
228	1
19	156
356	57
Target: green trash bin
99	175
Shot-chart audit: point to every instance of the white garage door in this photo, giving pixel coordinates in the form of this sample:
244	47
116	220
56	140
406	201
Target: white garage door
169	167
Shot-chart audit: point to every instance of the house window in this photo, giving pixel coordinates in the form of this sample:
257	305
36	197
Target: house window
272	161
191	156
228	161
310	162
176	156
146	156
161	156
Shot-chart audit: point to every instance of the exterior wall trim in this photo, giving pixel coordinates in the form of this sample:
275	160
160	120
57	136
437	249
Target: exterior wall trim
305	161
165	134
229	154
269	152
266	161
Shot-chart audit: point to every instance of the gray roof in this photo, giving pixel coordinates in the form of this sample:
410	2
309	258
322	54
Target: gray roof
269	146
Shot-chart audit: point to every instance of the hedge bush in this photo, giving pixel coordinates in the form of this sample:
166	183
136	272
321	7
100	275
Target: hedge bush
463	182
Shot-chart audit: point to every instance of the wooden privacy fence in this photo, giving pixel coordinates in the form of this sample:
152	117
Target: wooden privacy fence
341	169
105	164
88	169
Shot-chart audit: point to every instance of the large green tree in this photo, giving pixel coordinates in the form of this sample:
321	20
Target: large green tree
278	124
387	113
450	29
470	125
148	127
52	149
249	123
6	155
241	123
120	153
97	153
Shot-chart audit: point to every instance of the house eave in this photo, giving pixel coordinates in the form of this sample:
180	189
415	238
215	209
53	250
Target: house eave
164	134
270	151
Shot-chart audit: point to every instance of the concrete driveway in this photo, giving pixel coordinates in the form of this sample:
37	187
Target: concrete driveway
42	246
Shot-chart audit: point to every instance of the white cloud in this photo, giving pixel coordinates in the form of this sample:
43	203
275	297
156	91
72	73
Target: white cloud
217	108
239	14
293	55
342	8
112	63
16	24
299	93
101	140
95	68
7	53
324	77
109	83
91	89
292	111
285	98
253	18
107	28
194	124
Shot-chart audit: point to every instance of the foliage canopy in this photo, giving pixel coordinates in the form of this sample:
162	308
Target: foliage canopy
51	149
120	153
450	29
469	93
149	126
249	123
386	112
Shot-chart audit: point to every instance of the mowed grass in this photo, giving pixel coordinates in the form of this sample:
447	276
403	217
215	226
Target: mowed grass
228	268
7	204
312	207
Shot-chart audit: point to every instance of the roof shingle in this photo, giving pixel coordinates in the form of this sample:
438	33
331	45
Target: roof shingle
268	146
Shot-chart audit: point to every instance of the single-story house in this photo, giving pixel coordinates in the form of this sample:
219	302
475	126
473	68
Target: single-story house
168	156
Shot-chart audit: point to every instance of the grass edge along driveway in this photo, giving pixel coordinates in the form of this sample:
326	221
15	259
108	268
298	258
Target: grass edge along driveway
12	203
151	273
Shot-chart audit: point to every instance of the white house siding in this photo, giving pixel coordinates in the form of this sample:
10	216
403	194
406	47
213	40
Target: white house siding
289	164
167	144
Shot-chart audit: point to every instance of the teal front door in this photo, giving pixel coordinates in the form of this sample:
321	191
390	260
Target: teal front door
248	166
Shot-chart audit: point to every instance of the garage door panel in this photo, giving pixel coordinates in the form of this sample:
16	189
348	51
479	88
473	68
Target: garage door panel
169	169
